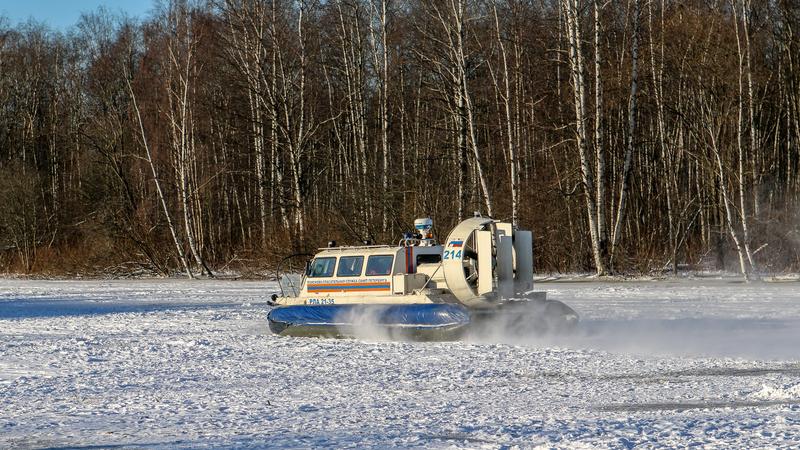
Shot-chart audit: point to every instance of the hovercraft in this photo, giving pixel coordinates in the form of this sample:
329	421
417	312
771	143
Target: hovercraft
480	277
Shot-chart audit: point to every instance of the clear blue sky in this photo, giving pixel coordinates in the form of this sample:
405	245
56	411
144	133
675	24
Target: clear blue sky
61	14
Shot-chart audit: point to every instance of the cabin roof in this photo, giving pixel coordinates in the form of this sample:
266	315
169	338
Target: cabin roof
366	250
353	247
358	250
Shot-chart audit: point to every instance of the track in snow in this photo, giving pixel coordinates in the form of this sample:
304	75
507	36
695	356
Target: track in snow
191	364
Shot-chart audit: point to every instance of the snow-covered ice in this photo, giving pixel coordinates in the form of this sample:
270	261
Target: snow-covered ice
188	364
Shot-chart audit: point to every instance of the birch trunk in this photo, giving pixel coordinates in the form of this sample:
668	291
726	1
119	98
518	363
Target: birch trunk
754	138
181	52
512	151
461	67
626	169
579	96
461	151
600	153
297	147
162	200
740	147
381	59
726	201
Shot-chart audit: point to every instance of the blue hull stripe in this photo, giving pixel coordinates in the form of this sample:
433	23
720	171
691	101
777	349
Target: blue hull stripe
431	315
345	288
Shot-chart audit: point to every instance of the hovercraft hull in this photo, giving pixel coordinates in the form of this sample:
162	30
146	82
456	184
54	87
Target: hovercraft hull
413	321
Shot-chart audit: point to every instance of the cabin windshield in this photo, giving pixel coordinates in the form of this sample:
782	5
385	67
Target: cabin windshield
322	267
379	265
350	266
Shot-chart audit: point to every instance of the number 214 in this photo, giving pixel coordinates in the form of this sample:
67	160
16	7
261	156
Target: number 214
452	254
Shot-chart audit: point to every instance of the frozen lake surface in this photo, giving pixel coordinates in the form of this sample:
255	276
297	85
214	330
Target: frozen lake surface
175	363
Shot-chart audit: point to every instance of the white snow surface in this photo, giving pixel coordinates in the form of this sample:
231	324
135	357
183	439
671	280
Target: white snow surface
192	364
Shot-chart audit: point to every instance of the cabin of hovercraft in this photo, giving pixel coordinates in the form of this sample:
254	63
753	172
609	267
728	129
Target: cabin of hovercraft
374	270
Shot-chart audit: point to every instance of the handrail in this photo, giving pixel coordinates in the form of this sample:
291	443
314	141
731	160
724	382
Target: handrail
278	269
354	247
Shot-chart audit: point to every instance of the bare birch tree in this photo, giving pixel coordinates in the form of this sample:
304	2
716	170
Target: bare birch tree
180	115
577	70
631	135
741	176
600	152
505	94
157	183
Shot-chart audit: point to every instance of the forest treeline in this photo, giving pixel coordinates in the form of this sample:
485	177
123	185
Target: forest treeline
630	136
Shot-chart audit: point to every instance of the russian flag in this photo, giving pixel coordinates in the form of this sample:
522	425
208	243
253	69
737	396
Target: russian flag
456	243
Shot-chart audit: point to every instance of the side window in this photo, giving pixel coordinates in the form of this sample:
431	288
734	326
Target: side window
350	266
322	267
428	259
380	264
